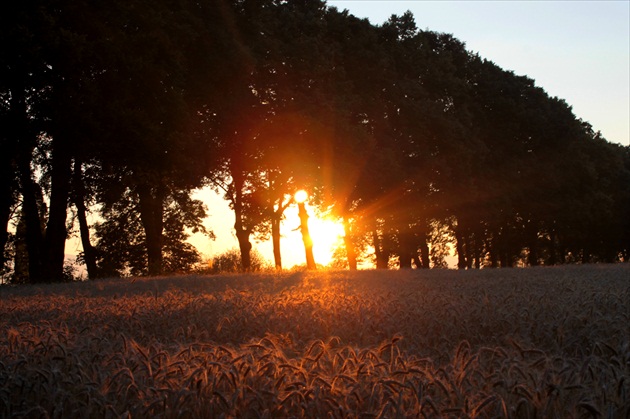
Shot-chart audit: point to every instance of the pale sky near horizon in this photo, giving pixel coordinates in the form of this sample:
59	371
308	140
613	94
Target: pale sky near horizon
576	50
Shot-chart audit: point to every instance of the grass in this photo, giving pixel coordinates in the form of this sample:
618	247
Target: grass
518	343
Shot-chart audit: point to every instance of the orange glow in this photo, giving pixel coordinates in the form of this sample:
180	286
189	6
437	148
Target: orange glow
327	235
301	196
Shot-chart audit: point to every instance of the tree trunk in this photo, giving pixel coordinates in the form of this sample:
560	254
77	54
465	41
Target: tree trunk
242	232
89	253
20	254
505	260
275	238
34	237
421	259
417	260
351	252
406	248
532	256
56	233
24	141
152	217
492	250
476	251
6	201
306	237
532	238
275	228
509	259
377	247
7	198
468	251
279	187
382	256
404	260
245	247
494	260
425	263
460	248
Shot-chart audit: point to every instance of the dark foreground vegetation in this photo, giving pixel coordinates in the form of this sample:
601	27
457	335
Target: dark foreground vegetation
547	342
120	109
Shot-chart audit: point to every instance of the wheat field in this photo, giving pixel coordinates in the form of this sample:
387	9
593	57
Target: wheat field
510	343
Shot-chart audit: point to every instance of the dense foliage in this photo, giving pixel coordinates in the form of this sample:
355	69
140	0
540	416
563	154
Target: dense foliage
120	110
230	262
549	342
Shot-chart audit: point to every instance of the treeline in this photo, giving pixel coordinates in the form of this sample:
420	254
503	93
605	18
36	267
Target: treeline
112	114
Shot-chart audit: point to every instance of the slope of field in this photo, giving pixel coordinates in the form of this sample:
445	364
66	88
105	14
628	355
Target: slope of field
542	342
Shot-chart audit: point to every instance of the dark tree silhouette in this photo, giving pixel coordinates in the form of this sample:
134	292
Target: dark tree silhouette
408	138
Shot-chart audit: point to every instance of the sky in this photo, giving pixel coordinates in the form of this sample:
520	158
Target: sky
576	50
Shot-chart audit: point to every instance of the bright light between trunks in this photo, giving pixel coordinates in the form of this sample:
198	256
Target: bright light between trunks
301	196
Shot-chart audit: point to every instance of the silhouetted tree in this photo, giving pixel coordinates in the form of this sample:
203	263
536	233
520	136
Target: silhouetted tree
121	242
402	134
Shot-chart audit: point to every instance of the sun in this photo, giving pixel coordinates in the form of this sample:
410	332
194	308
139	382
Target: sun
301	196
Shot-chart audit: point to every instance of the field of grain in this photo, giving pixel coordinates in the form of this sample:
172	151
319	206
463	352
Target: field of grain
518	343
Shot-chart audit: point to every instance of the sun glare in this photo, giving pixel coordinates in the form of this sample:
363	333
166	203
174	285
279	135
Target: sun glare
327	235
301	196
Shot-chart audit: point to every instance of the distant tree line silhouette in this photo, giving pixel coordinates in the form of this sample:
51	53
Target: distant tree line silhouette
112	113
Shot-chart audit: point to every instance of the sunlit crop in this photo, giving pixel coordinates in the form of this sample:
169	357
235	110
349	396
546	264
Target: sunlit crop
550	342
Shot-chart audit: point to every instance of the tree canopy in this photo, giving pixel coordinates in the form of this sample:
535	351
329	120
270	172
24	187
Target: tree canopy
120	110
